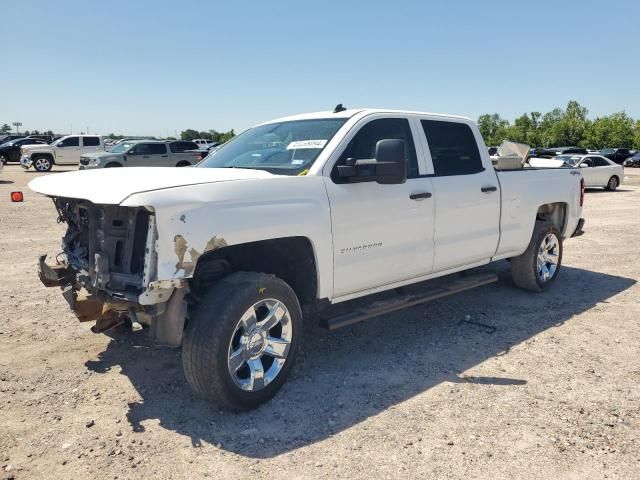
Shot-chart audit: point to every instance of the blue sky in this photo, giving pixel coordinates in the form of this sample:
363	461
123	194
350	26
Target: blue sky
154	67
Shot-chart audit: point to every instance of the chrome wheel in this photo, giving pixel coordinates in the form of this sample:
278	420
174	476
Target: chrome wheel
42	164
260	344
613	183
548	257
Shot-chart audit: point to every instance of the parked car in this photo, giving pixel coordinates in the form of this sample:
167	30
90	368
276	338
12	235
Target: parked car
46	138
10	151
144	153
317	211
597	171
554	151
64	151
203	143
618	155
633	161
8	138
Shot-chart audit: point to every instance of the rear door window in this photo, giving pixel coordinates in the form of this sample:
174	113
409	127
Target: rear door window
599	162
90	141
157	148
177	147
453	148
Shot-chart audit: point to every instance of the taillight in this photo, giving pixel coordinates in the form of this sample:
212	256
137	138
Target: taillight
581	191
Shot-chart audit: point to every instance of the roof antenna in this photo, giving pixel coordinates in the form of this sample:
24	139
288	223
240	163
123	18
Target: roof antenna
339	108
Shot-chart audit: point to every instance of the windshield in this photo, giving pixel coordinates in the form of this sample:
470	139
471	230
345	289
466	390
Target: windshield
606	151
121	147
287	148
572	160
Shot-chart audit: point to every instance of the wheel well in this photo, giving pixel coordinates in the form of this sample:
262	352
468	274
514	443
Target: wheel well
113	164
291	259
182	163
555	213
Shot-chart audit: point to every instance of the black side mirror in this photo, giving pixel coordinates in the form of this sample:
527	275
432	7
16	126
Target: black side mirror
388	167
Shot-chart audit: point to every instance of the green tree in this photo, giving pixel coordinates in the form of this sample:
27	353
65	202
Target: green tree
636	135
492	127
189	134
6	128
225	137
616	130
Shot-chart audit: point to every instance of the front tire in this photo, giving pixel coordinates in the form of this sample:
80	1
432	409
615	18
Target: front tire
42	164
241	340
612	184
538	267
4	159
112	165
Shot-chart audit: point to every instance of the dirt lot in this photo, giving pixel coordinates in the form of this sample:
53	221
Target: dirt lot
493	383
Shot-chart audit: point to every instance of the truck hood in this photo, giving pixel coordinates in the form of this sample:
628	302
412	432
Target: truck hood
114	185
35	147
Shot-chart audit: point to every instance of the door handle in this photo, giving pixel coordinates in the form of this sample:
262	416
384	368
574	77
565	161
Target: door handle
165	156
420	196
145	156
488	188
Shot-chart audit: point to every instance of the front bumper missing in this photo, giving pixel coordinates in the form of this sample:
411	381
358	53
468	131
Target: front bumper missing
94	307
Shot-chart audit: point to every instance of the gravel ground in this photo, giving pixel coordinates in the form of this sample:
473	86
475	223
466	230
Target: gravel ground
492	383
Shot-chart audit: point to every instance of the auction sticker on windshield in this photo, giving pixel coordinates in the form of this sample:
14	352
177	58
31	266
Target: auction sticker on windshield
306	144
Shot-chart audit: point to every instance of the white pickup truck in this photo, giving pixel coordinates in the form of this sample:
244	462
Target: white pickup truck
310	213
64	151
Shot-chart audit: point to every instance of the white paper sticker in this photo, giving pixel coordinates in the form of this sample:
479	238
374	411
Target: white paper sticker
306	144
297	162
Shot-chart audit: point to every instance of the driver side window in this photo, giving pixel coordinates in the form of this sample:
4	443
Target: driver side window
363	144
70	142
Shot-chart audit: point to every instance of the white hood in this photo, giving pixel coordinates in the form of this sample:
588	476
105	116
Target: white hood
114	185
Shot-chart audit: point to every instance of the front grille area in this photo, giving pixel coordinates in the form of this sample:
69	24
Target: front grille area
84	161
105	243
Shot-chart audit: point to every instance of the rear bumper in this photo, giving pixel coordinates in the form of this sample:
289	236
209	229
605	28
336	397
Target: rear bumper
579	229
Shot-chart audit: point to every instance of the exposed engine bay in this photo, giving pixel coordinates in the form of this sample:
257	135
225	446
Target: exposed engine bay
107	246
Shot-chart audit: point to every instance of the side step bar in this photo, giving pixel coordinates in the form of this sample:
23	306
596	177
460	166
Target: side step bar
383	307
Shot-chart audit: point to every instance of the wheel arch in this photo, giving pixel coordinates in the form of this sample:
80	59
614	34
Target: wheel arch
44	154
555	213
293	259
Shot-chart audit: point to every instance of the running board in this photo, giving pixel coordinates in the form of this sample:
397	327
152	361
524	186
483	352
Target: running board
382	307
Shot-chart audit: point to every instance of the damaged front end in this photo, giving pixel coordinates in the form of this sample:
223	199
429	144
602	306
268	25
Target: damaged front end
108	266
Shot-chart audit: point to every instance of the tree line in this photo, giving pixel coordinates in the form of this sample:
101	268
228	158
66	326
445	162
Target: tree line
188	134
559	128
211	135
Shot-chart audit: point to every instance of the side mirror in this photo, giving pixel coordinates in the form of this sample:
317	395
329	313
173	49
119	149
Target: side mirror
584	165
388	167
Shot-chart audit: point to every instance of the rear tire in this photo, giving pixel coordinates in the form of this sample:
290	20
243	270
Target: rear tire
4	159
183	164
612	184
538	267
42	164
112	165
233	357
